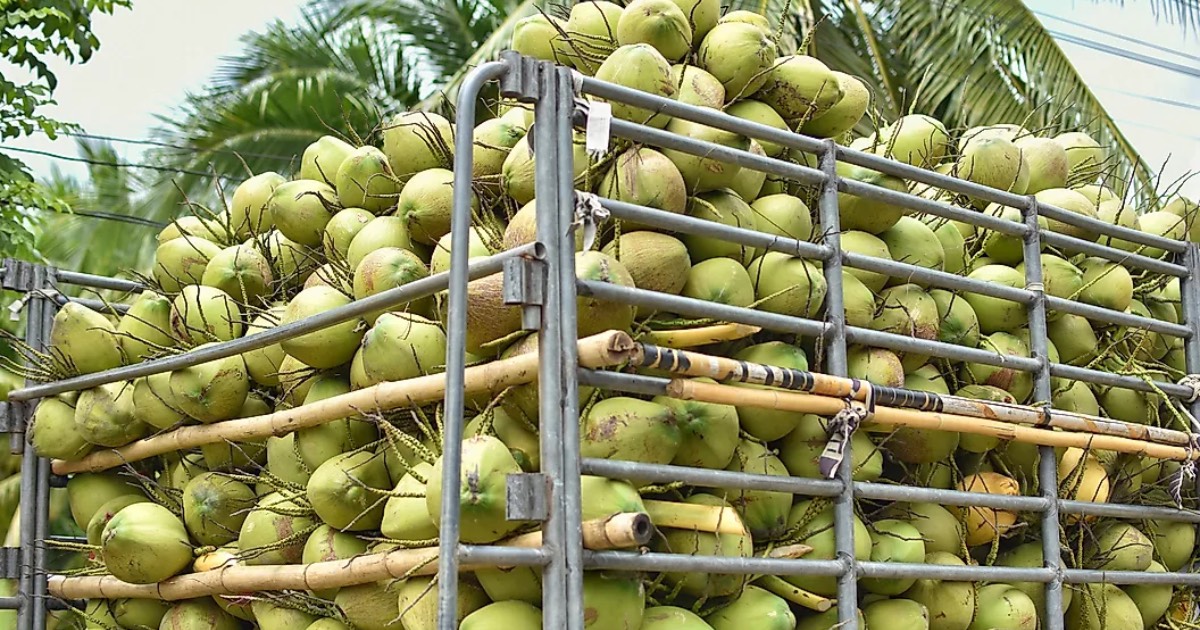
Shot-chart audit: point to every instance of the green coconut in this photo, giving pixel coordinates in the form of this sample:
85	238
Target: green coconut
323	158
280	615
512	615
401	346
302	209
1118	547
827	620
1086	157
915	139
783	215
813	523
1164	224
214	508
104	415
419	601
263	364
1005	248
698	543
639	66
1049	165
198	614
139	614
726	208
191	225
595	315
416	141
843	115
900	614
800	87
404	514
84	341
347	490
659	23
212	391
95	526
911	241
800	451
341	230
201	314
788	285
387	231
181	261
656	262
894	541
958	324
764	609
388	268
645	177
709	432
540	36
372	606
865	244
995	162
229	455
145	543
739	55
144	330
695	86
486	463
858	303
240	271
1077	397
720	280
426	204
672	618
317	444
763	512
513	583
439	261
328	623
921	446
762	114
630	430
749	182
1003	606
53	433
88	492
940	529
1016	382
291	262
769	425
1074	338
249	209
978	443
519	171
1174	542
868	215
275	531
909	311
954	246
591	34
1106	284
283	460
879	366
1102	606
326	544
494	139
1070	201
700	172
995	314
1029	555
365	180
1127	405
326	348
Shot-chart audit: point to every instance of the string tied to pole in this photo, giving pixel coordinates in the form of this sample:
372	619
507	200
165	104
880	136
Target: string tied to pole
589	214
842	427
1192	382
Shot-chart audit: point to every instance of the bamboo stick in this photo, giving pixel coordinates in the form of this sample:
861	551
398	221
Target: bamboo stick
688	363
602	350
789	552
795	594
827	406
705	518
693	337
615	532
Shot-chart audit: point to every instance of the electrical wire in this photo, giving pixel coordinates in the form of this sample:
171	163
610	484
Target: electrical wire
1127	54
156	143
111	216
83	160
1132	40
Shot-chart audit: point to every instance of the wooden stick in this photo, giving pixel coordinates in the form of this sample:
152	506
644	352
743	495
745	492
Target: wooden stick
603	350
705	518
693	337
688	363
790	552
795	594
828	406
615	532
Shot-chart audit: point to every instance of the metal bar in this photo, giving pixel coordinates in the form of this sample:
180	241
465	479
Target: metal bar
956	573
550	342
630	383
1110	316
1189	289
456	329
1073	244
498	556
10	603
709	478
1108	229
700	227
912	494
1116	380
571	498
97	282
1119	510
939	279
380	301
35	337
937	208
42	514
672	562
1091	576
96	305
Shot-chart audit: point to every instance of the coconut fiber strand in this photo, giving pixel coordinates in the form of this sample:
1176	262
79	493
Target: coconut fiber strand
619	531
602	350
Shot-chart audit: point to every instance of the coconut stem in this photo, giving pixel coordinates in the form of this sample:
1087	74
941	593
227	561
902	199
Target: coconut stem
796	595
704	518
693	337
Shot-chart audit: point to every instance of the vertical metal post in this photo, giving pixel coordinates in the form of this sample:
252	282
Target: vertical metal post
1189	294
456	342
32	497
835	364
550	345
572	501
1047	460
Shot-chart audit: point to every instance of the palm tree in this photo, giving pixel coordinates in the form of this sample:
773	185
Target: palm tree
350	63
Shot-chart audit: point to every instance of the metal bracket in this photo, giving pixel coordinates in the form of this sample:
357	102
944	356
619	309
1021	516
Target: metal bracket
525	286
18	275
521	82
527	497
10	563
9	422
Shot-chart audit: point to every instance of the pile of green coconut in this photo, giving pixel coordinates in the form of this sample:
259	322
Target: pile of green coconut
354	221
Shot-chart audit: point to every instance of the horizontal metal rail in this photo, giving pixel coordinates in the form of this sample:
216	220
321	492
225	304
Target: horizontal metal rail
97	282
1078	245
387	299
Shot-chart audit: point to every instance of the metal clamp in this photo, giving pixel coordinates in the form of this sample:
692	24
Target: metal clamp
525	286
528	497
21	276
521	82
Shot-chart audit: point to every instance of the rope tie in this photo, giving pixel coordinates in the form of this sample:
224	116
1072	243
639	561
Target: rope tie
1187	471
589	214
1192	382
842	426
14	308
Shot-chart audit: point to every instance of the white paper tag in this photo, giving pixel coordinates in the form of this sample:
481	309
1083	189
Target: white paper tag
599	126
14	310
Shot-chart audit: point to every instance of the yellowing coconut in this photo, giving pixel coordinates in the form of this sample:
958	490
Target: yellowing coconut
656	262
144	330
417	141
696	86
323	158
1086	156
1081	477
659	23
788	285
641	67
645	177
986	524
1049	165
389	268
249	210
181	261
843	115
800	87
703	174
83	340
740	56
302	208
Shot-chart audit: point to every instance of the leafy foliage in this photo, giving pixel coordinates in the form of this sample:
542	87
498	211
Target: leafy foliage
33	32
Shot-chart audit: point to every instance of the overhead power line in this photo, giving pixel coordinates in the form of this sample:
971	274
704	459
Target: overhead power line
111	216
83	160
1127	54
1115	35
167	145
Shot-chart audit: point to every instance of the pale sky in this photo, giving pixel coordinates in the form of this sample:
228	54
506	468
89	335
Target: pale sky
151	56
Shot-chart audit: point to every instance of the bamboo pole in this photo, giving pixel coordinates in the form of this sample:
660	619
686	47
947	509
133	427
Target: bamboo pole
602	350
827	406
795	594
686	363
705	518
693	337
620	531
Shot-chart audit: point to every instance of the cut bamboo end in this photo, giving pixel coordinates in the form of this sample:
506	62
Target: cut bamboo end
602	350
619	531
703	336
704	518
790	552
796	595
